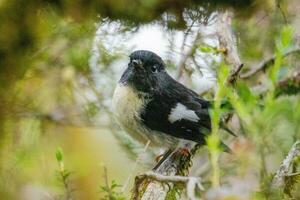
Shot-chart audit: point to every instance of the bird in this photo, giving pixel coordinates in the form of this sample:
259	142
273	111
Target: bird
152	106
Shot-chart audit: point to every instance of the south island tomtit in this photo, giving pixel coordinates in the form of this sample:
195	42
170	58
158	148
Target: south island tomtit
150	105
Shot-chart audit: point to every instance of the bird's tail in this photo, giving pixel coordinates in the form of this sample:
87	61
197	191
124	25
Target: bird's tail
225	128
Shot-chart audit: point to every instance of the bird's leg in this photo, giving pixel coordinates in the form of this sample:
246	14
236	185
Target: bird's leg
185	147
161	156
184	151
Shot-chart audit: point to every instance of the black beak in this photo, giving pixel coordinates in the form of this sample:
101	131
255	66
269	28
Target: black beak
137	63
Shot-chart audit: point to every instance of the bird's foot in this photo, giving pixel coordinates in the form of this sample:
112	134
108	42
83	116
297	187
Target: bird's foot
184	152
159	157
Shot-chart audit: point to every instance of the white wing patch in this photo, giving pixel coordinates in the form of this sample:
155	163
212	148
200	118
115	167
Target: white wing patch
181	112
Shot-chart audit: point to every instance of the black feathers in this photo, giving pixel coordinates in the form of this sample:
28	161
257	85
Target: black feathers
171	94
147	57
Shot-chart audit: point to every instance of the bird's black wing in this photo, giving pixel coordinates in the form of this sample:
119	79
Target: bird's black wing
178	111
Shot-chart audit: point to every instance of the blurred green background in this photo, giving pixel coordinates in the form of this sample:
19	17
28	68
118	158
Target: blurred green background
60	61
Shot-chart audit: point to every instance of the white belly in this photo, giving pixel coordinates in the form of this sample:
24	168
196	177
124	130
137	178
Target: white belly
127	106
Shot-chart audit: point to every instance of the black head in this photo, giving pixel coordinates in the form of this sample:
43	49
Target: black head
145	72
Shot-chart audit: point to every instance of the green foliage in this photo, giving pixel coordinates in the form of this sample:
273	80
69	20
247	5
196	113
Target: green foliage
290	183
283	43
175	192
209	49
111	192
59	155
213	140
267	119
63	176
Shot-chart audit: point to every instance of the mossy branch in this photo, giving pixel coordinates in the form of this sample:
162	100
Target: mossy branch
285	169
171	170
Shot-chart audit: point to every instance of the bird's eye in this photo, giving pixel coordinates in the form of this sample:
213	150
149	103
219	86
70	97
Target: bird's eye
154	68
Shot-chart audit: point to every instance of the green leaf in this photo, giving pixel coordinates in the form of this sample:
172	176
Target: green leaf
114	184
208	49
223	75
286	36
66	174
283	43
59	154
285	39
246	94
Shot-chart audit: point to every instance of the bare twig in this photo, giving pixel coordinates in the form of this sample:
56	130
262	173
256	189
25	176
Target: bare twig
188	54
294	174
261	19
228	43
235	74
267	62
105	176
286	166
227	39
281	11
186	33
197	66
288	86
134	167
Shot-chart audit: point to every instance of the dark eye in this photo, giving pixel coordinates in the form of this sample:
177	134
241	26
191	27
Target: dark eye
154	68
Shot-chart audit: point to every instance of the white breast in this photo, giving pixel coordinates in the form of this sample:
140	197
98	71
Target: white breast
126	103
127	106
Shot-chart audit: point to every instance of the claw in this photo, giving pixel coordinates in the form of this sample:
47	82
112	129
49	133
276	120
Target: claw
184	152
159	157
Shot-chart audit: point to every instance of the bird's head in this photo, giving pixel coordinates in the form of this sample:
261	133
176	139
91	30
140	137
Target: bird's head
145	71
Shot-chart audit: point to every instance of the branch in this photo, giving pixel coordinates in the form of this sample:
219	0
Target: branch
227	40
197	66
285	167
189	53
281	11
134	167
173	166
288	86
235	74
267	62
228	43
191	183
